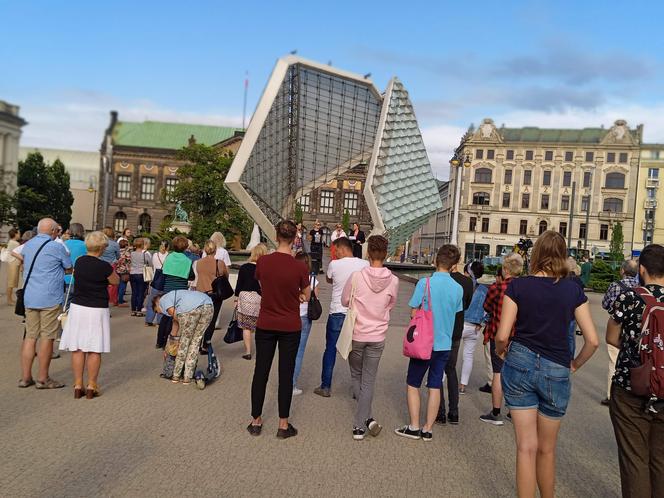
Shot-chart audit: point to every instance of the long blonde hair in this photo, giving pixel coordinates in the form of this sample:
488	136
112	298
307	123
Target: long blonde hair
257	252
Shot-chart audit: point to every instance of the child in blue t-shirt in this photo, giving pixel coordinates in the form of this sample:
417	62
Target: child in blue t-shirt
446	301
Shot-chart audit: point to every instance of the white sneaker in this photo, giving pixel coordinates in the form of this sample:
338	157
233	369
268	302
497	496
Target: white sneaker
296	391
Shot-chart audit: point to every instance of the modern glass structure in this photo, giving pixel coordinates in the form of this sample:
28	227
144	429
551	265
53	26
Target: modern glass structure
313	123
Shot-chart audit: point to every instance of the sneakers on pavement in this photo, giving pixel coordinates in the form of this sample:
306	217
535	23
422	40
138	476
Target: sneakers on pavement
374	427
406	431
490	418
290	431
358	434
486	388
453	418
322	391
296	391
441	419
427	437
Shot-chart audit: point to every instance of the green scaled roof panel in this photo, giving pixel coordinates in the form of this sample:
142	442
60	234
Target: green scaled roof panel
553	135
159	135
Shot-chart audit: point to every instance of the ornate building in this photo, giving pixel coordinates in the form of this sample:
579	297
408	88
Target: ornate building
523	181
10	136
649	221
138	168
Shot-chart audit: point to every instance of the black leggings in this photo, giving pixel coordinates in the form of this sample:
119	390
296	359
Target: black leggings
266	345
207	338
452	381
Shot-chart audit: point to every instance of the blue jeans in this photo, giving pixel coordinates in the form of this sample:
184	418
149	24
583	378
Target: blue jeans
304	336
152	316
332	330
137	291
122	287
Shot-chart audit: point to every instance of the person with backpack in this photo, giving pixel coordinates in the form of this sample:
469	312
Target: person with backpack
636	327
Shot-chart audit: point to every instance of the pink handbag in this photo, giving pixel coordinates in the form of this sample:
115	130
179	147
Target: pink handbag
418	342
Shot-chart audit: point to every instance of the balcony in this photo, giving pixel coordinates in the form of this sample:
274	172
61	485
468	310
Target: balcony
612	216
647	225
652	182
650	204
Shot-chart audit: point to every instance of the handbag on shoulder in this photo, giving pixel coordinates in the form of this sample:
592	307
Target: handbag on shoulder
221	287
345	341
418	341
234	332
19	307
148	271
315	309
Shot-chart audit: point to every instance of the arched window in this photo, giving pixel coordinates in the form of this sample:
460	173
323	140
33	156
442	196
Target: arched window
120	221
483	175
481	198
144	223
613	204
615	180
542	227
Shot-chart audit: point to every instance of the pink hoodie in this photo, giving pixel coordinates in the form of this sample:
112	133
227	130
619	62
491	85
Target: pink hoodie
375	295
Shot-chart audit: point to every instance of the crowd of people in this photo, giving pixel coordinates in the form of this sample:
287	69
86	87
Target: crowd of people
527	318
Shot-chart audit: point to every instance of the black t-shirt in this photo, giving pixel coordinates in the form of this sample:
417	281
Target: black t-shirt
466	284
546	308
91	281
316	240
246	279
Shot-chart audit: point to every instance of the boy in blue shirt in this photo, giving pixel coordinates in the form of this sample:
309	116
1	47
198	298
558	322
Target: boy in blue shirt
446	301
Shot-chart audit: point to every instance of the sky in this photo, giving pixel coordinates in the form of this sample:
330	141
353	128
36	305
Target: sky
547	64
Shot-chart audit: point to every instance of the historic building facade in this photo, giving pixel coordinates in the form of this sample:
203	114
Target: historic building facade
523	181
138	169
649	219
10	135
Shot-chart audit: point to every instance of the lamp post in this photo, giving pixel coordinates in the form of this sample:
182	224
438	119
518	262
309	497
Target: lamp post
457	163
93	191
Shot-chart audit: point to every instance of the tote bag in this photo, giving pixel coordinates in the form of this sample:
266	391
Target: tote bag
418	341
315	309
345	341
148	271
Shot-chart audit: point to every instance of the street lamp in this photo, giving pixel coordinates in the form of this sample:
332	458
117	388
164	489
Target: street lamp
456	162
93	191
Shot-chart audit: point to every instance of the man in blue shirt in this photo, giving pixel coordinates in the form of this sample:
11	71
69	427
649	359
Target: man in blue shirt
43	297
446	301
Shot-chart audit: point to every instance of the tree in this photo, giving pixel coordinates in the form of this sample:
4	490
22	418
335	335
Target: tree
7	210
345	221
211	208
299	213
617	243
43	190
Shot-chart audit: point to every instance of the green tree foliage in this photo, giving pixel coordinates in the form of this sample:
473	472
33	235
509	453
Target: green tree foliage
211	208
299	213
43	190
617	242
7	211
345	221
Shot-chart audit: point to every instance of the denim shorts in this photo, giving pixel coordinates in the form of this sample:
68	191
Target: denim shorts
531	381
436	366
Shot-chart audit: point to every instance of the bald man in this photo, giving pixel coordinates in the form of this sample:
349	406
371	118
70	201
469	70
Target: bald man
628	279
45	265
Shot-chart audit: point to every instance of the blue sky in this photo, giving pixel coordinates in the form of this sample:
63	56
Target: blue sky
548	64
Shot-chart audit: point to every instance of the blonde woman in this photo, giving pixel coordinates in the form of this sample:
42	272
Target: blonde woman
207	269
87	331
221	254
248	297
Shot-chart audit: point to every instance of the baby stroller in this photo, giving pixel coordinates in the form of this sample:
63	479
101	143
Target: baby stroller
213	370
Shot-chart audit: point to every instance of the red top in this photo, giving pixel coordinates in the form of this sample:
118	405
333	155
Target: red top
282	279
493	305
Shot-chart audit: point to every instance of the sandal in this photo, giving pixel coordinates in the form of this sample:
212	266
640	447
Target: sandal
247	356
49	384
175	380
25	383
254	430
92	391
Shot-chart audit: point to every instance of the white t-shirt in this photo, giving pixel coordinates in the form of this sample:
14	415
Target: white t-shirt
304	307
158	260
337	235
339	271
222	255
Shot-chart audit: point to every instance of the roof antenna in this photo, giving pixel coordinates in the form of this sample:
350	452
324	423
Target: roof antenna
367	76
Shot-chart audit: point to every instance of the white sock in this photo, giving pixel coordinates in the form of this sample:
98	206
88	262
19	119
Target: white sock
410	427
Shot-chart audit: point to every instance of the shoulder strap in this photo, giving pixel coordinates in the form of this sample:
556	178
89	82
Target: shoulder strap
32	265
646	296
427	295
216	267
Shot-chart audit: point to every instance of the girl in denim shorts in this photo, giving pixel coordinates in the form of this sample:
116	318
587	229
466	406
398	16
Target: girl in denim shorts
538	362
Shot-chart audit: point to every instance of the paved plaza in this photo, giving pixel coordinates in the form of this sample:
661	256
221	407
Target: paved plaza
147	437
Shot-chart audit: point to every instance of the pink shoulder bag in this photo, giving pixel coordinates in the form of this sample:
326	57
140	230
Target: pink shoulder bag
418	342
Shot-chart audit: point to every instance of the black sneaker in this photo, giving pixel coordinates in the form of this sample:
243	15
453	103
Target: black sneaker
405	431
441	419
605	402
492	419
290	431
453	418
427	437
358	434
486	388
373	426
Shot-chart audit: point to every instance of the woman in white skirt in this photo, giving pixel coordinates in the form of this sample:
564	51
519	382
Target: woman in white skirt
87	330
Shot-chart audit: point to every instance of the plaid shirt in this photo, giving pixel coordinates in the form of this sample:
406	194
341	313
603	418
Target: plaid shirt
615	289
493	305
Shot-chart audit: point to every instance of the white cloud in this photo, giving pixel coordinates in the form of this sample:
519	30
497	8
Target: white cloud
440	141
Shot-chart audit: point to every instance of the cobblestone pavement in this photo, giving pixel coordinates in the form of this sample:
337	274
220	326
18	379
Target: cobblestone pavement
147	437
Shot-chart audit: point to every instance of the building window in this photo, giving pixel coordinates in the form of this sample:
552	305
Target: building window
653	173
483	175
546	178
529	155
587	175
582	231
590	157
472	225
654	154
305	203
650	192
485	224
481	199
614	205
649	214
564	203
585	203
506	199
350	203
119	222
144	223
545	201
548	155
610	157
542	227
509	155
604	232
569	156
615	180
647	237
123	190
563	228
171	184
622	158
503	225
479	153
147	188
327	201
525	201
523	227
490	154
527	177
508	177
567	178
